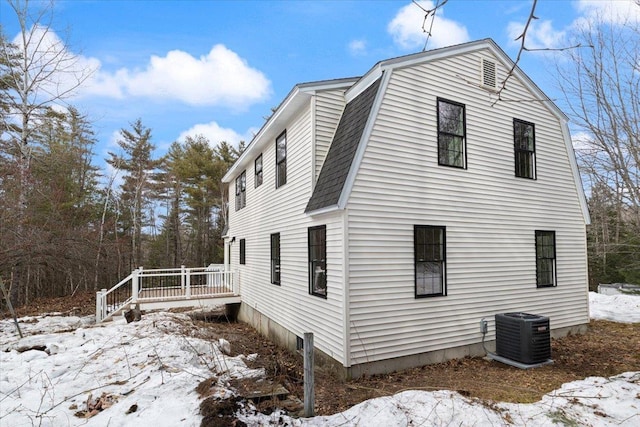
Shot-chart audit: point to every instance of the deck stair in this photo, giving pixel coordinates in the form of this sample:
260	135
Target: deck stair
169	288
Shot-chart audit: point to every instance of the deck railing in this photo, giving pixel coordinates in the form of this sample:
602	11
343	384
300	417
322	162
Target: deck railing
166	284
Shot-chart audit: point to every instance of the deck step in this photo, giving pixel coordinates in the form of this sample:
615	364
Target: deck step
261	389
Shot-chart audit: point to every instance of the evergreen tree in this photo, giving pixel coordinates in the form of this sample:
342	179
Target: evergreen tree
137	190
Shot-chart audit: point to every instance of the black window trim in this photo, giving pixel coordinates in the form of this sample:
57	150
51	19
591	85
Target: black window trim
464	130
243	251
283	160
444	261
310	262
516	150
554	259
276	277
258	174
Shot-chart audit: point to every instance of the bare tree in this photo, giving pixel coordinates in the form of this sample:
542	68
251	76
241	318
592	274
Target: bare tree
601	87
38	71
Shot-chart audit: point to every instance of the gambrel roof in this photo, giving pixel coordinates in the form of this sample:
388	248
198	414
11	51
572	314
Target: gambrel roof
363	98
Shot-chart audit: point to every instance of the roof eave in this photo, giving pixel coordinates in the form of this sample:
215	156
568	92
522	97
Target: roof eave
288	108
325	210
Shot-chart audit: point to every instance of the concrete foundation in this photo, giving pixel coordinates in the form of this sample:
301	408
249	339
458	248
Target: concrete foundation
285	338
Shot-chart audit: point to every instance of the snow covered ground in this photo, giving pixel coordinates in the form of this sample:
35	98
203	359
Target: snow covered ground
145	374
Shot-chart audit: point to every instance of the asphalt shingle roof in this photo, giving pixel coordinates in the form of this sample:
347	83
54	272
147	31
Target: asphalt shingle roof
337	164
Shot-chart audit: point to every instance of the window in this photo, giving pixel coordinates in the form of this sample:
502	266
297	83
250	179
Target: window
242	251
451	134
275	258
241	190
524	144
258	169
281	160
318	261
545	258
430	260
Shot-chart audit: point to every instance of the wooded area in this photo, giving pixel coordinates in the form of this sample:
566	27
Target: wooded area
66	224
601	84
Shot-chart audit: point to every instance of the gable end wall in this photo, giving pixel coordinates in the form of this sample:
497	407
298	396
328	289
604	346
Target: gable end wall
489	214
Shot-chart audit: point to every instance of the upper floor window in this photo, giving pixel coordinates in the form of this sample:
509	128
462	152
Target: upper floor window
430	260
318	261
275	258
451	134
524	144
241	190
243	247
281	159
545	258
258	169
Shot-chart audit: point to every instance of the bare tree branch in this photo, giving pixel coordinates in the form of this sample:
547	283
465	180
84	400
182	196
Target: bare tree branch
429	13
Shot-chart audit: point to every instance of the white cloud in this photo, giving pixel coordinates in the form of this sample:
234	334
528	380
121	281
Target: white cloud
358	47
58	73
581	141
219	78
608	11
215	134
406	28
540	34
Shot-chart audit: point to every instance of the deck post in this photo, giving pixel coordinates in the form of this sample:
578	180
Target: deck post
309	392
99	306
103	306
135	285
187	293
182	277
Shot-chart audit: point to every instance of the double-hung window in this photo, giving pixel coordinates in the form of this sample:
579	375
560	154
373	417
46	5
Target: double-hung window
545	258
318	261
524	145
258	173
281	159
451	134
275	258
241	190
243	248
430	260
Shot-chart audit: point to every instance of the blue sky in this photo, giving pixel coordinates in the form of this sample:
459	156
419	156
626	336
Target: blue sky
218	67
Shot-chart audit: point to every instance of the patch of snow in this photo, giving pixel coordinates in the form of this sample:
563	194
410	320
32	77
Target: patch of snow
148	371
617	308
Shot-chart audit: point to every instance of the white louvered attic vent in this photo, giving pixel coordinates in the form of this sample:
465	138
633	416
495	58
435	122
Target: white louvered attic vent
488	74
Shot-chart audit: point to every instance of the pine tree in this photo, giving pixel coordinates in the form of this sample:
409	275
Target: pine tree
137	190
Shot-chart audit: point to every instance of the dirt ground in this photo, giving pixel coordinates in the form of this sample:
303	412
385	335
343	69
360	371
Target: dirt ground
607	349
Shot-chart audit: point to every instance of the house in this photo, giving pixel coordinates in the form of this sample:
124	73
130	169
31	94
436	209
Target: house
389	214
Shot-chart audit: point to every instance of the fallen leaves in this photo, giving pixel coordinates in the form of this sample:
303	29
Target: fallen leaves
97	405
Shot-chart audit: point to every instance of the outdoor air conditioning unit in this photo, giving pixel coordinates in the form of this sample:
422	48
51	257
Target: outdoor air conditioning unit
523	337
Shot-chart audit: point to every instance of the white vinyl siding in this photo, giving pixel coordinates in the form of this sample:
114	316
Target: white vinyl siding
329	107
270	210
489	214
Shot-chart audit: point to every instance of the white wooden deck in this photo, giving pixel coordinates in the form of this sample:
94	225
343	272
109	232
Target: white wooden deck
169	288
